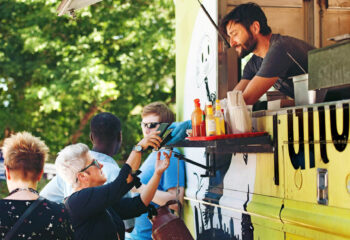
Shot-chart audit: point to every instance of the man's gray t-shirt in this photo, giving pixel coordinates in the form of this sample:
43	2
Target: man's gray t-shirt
277	63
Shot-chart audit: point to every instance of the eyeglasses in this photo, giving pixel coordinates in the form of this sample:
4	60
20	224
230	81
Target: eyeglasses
150	125
94	163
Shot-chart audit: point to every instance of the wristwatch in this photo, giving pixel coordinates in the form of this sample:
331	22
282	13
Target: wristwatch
137	148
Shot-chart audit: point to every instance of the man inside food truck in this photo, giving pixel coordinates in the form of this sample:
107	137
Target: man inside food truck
275	57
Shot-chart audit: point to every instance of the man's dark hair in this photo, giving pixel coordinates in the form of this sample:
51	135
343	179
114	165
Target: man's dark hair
105	127
246	14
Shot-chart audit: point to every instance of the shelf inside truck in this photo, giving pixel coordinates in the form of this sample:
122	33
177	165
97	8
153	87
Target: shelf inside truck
232	143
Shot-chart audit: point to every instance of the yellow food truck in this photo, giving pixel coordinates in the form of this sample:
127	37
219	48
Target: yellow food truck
293	180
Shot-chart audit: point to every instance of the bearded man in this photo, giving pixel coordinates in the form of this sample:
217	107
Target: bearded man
275	57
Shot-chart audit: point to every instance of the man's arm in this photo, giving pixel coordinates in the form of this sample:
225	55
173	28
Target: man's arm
256	88
242	84
169	195
162	197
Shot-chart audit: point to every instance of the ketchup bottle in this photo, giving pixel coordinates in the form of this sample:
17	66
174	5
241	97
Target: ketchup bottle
196	118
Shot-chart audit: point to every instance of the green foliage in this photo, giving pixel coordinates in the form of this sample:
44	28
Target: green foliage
56	73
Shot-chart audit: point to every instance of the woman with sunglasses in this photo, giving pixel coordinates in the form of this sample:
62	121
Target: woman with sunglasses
35	218
152	116
97	210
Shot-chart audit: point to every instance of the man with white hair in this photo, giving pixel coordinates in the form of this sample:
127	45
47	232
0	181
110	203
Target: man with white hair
105	135
97	210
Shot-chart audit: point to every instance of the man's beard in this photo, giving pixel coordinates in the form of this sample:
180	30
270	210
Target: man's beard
249	45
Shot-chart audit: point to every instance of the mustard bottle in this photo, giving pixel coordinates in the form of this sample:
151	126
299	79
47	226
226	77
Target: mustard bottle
219	119
210	121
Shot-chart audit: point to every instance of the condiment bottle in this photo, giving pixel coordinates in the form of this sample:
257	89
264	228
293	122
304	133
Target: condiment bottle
219	119
210	121
196	118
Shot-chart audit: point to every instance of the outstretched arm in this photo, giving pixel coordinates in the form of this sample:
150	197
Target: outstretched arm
134	159
256	88
173	176
242	84
151	188
162	197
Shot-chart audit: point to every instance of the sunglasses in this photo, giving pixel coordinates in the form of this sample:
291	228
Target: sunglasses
150	125
94	163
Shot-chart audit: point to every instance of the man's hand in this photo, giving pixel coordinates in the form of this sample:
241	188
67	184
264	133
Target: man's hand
162	165
179	132
152	140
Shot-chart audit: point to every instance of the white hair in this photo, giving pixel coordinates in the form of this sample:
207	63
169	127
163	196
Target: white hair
70	161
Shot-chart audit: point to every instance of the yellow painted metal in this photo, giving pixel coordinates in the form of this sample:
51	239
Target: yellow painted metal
188	217
338	166
265	212
263	232
186	13
264	177
302	216
315	221
290	236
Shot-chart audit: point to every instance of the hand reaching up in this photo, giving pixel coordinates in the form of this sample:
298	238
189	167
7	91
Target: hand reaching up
162	165
150	189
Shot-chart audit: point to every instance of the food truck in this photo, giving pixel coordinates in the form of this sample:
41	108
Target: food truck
290	178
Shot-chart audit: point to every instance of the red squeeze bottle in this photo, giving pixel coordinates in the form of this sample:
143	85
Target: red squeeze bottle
196	118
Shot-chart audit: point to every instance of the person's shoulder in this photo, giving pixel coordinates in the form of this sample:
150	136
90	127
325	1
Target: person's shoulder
287	41
54	205
103	158
277	40
61	218
254	59
2	203
57	208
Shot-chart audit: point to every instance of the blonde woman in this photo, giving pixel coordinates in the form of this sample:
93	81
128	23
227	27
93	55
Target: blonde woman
24	157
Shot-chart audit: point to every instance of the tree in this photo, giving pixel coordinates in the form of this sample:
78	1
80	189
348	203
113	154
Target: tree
56	73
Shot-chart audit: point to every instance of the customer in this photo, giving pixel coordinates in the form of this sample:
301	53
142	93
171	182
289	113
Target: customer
24	157
96	210
106	138
152	115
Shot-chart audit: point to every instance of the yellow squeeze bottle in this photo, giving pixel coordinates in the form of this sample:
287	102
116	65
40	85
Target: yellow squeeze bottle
219	119
210	121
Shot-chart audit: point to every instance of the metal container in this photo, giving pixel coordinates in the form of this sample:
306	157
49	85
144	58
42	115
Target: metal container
302	96
329	66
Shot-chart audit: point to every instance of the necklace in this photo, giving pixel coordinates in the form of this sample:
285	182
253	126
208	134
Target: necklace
23	189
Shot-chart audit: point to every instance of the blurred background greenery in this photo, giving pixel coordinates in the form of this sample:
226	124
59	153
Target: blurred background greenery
56	73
